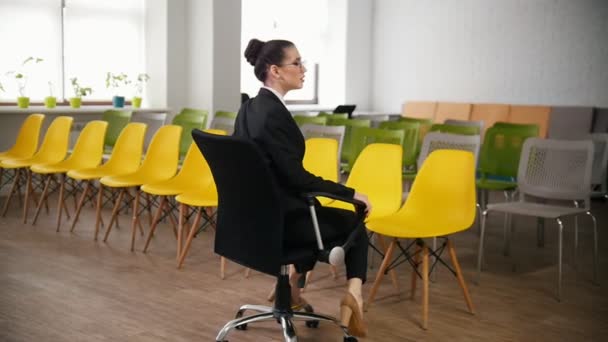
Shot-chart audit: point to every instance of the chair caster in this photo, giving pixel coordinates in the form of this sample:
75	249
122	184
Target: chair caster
350	339
239	327
313	324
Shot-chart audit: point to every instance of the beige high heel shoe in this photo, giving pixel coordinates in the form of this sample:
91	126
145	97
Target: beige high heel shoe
351	313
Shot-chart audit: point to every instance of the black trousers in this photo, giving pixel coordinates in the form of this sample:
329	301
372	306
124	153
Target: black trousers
335	226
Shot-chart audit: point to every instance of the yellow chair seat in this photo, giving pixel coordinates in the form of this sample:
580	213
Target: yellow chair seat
414	226
98	172
60	167
131	179
203	198
173	186
19	163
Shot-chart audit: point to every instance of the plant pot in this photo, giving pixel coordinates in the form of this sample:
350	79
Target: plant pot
23	102
50	102
75	102
118	101
136	102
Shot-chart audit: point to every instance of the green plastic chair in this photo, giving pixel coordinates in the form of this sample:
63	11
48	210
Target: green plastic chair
334	115
315	120
499	157
189	119
348	125
225	114
410	141
117	120
425	126
456	129
363	136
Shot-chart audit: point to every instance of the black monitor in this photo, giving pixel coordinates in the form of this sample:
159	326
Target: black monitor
346	109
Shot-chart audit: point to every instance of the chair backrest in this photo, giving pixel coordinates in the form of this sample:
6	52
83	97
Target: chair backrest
195	167
556	169
501	150
447	141
88	150
250	214
377	173
305	119
223	123
321	158
225	114
163	154
153	120
127	152
117	120
318	131
363	136
27	139
54	146
189	119
410	140
419	109
454	122
456	129
425	126
452	110
600	161
437	194
348	126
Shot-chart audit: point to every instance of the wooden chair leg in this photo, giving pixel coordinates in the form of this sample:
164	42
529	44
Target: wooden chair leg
15	186
247	272
380	274
83	197
135	219
114	211
42	198
222	268
159	211
461	282
392	272
193	230
149	208
425	287
414	273
98	212
180	229
61	206
334	271
28	191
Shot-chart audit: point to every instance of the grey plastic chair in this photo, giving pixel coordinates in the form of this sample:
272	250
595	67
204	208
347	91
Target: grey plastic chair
319	131
599	175
549	170
223	123
447	141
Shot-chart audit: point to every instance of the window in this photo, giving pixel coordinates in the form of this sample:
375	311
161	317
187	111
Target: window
304	22
94	37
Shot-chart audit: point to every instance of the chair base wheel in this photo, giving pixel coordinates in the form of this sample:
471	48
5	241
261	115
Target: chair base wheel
312	323
242	326
350	339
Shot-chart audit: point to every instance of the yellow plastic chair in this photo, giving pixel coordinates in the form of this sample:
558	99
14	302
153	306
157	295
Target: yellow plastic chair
194	174
87	153
321	159
26	143
437	206
53	150
125	158
159	164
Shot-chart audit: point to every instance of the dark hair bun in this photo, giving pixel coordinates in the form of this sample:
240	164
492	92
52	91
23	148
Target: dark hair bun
253	50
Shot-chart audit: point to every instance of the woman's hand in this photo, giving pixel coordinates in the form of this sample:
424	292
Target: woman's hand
363	198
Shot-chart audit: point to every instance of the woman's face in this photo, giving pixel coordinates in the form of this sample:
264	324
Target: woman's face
292	70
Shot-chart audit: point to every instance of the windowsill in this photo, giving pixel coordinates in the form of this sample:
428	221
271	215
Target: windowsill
82	110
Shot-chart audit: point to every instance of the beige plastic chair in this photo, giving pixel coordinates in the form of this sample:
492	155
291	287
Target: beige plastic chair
538	115
452	110
419	109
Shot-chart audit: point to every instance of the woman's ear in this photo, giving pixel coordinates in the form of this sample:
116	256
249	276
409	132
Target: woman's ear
274	71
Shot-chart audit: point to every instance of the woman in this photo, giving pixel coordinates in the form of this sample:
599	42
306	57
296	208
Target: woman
266	120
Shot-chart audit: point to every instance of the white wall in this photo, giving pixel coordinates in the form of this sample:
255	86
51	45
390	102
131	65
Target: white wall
516	51
227	55
200	52
178	54
156	53
358	84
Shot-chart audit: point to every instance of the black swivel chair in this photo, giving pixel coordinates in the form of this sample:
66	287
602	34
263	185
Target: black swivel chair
250	229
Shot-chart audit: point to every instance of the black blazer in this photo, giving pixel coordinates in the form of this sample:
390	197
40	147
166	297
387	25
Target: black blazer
265	119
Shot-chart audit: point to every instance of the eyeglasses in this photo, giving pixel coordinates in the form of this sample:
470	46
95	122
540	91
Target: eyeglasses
297	64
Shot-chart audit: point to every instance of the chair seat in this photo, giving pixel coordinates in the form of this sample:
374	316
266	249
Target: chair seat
19	163
97	172
412	226
203	198
535	209
495	184
172	187
131	179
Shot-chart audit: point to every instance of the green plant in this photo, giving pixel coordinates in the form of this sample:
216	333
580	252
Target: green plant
78	90
116	80
139	84
20	74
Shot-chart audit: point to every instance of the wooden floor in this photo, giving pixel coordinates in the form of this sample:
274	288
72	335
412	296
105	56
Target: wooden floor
66	287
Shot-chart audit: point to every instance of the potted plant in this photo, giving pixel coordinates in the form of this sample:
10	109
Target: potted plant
79	92
139	89
117	81
21	78
50	101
